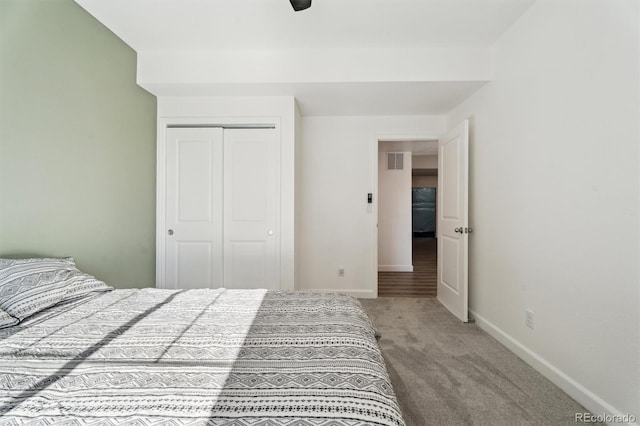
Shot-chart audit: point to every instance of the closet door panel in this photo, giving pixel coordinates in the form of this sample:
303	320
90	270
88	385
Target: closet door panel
247	260
194	181
194	264
194	184
251	203
248	185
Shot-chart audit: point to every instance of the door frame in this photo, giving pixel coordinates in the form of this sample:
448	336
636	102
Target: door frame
374	185
161	173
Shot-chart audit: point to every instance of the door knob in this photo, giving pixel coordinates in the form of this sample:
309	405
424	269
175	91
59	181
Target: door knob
270	232
458	230
170	232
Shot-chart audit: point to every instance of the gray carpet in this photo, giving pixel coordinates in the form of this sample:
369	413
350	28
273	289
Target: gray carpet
445	372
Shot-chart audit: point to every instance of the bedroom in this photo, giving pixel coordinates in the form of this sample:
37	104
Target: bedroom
542	208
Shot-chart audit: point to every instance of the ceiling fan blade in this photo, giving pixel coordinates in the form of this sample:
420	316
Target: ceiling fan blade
299	5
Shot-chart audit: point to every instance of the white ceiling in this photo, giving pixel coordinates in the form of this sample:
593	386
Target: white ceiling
272	24
192	27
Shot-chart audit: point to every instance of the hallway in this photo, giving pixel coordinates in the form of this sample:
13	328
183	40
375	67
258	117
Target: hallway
419	283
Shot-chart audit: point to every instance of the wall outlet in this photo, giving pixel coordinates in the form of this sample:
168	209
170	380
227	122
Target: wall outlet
528	318
341	271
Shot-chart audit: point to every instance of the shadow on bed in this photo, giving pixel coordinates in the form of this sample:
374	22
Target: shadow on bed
81	357
214	356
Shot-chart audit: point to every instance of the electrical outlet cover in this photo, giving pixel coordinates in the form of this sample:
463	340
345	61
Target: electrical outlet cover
528	318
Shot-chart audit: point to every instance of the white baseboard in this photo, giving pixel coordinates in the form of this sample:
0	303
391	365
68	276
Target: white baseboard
360	294
395	268
584	396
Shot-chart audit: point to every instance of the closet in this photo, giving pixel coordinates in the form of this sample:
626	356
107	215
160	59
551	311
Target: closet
222	208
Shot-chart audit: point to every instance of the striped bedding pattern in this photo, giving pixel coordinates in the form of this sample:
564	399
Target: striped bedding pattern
196	357
28	286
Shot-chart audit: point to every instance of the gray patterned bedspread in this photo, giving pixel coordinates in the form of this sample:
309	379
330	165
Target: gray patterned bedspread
232	357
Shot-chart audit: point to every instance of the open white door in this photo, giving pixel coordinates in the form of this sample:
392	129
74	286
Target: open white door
453	220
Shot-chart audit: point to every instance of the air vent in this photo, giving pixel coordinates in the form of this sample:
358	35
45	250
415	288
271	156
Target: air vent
395	160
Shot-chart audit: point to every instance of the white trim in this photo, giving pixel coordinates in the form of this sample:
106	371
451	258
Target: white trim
584	396
395	268
406	138
360	294
161	202
374	185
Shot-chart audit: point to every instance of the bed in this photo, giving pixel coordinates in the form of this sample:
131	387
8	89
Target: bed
182	357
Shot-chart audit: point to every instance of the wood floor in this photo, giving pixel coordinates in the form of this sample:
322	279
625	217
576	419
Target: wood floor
419	283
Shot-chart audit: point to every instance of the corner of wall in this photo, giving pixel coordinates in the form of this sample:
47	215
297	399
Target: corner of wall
297	194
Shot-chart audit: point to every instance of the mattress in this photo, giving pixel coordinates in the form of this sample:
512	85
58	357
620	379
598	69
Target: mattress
187	357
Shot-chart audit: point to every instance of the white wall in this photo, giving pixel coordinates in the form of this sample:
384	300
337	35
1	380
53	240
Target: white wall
161	71
394	216
338	168
554	198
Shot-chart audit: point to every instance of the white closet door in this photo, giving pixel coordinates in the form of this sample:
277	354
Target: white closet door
194	184
251	206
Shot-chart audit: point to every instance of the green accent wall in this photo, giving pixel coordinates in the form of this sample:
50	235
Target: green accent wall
77	144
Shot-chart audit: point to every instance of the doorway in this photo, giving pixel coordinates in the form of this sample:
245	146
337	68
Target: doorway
407	245
452	218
